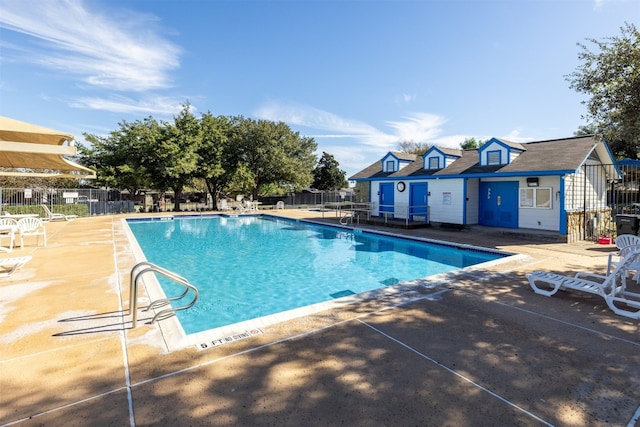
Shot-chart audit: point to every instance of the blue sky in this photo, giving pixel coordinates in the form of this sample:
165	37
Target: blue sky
358	76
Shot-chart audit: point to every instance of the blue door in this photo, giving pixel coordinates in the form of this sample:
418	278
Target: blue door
499	204
418	200
385	199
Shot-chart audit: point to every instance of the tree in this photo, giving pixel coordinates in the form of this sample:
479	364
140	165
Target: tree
119	158
174	155
411	147
327	174
226	153
264	152
611	75
471	143
211	166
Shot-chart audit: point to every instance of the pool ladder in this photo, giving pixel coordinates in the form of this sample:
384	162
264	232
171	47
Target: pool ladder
347	218
144	267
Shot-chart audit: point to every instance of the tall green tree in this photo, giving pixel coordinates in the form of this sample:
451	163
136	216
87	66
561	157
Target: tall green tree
264	152
214	135
327	175
120	157
174	155
611	76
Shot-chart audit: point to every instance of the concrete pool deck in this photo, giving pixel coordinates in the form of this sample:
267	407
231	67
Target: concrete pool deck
482	349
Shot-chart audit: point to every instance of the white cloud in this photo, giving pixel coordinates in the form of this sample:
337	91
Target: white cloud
514	136
120	104
418	127
320	120
120	54
405	98
363	144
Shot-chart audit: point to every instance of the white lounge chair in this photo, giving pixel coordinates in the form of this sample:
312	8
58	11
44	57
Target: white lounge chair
50	216
612	287
280	205
8	228
32	227
624	242
9	265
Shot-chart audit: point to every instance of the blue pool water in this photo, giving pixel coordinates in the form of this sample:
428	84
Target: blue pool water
251	266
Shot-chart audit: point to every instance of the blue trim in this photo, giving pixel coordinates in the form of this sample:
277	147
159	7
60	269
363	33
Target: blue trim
563	212
499	157
471	175
495	140
428	161
628	162
442	153
390	166
390	154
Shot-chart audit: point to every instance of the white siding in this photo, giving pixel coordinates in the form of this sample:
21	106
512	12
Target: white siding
450	190
473	204
375	188
403	164
450	160
541	219
581	187
401	201
513	155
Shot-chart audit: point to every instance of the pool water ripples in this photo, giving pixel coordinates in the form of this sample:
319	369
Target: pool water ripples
251	266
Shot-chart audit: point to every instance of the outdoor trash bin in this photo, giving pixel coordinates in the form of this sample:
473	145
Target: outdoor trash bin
627	224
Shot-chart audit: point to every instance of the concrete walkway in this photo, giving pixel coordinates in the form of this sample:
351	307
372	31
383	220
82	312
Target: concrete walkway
482	349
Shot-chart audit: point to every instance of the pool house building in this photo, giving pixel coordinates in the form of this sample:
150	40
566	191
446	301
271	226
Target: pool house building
558	185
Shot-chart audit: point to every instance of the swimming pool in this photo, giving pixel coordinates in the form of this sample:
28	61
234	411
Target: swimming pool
247	267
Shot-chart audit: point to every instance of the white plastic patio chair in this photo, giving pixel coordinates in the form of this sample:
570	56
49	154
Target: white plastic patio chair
32	227
612	287
8	228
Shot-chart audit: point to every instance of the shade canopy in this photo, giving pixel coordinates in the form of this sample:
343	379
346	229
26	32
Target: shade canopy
26	146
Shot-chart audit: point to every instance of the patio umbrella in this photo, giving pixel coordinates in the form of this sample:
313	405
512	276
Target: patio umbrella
32	150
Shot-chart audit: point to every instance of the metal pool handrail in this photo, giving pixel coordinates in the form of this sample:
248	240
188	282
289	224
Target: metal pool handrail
133	291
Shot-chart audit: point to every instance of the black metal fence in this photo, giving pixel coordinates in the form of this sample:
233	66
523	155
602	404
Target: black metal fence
603	199
309	198
593	200
81	202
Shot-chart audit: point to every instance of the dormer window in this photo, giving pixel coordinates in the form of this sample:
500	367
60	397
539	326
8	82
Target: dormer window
434	163
390	166
494	157
496	152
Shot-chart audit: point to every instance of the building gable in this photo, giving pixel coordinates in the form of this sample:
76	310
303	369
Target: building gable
439	158
497	152
539	158
393	161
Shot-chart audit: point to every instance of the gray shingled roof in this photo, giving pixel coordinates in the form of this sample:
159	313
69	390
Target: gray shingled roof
565	154
404	156
513	144
451	151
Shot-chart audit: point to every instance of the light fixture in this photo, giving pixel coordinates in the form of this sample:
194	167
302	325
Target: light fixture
532	182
